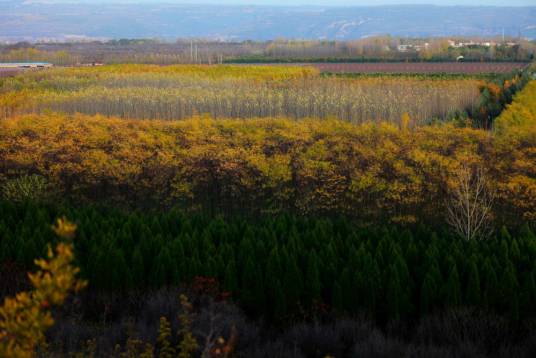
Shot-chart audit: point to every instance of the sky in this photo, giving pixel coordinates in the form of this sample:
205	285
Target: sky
320	2
382	2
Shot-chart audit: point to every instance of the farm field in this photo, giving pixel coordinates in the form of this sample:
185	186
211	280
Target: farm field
9	72
422	68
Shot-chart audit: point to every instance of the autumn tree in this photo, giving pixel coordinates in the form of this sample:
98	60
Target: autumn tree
25	318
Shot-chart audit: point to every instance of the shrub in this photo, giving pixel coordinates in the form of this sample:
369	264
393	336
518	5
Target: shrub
26	188
25	318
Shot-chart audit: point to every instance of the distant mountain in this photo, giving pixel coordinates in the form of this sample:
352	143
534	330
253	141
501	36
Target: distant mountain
32	20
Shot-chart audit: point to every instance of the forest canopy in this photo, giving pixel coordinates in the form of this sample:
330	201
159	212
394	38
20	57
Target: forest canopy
268	165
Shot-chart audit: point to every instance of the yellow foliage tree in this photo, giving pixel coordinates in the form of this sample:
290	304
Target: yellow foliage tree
25	318
520	113
404	121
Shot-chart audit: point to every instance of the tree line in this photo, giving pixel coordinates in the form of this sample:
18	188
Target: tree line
521	114
373	173
378	48
178	92
280	267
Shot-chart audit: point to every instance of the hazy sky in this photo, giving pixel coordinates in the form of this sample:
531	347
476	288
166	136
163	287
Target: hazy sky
323	2
380	2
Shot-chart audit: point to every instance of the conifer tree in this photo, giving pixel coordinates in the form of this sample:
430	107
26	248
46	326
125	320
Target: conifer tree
330	263
509	297
194	265
273	272
504	253
515	253
155	227
292	281
245	249
428	293
230	281
207	248
313	286
372	282
394	294
382	253
210	267
177	255
138	267
358	290
452	288
473	286
120	277
279	301
146	248
337	300
218	266
489	284
527	234
252	289
412	253
100	272
347	283
125	240
27	251
528	294
110	270
406	284
294	242
504	234
165	270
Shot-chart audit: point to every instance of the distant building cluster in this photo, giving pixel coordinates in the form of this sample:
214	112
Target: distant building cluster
25	65
409	47
91	64
471	43
454	44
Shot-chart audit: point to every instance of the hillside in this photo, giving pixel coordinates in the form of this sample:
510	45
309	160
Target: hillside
32	20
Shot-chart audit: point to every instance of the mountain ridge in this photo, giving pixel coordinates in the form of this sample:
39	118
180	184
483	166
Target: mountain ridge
30	20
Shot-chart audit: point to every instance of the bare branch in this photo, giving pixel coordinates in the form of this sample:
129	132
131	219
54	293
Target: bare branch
470	202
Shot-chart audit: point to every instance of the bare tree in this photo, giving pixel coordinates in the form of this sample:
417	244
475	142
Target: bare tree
470	203
216	321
